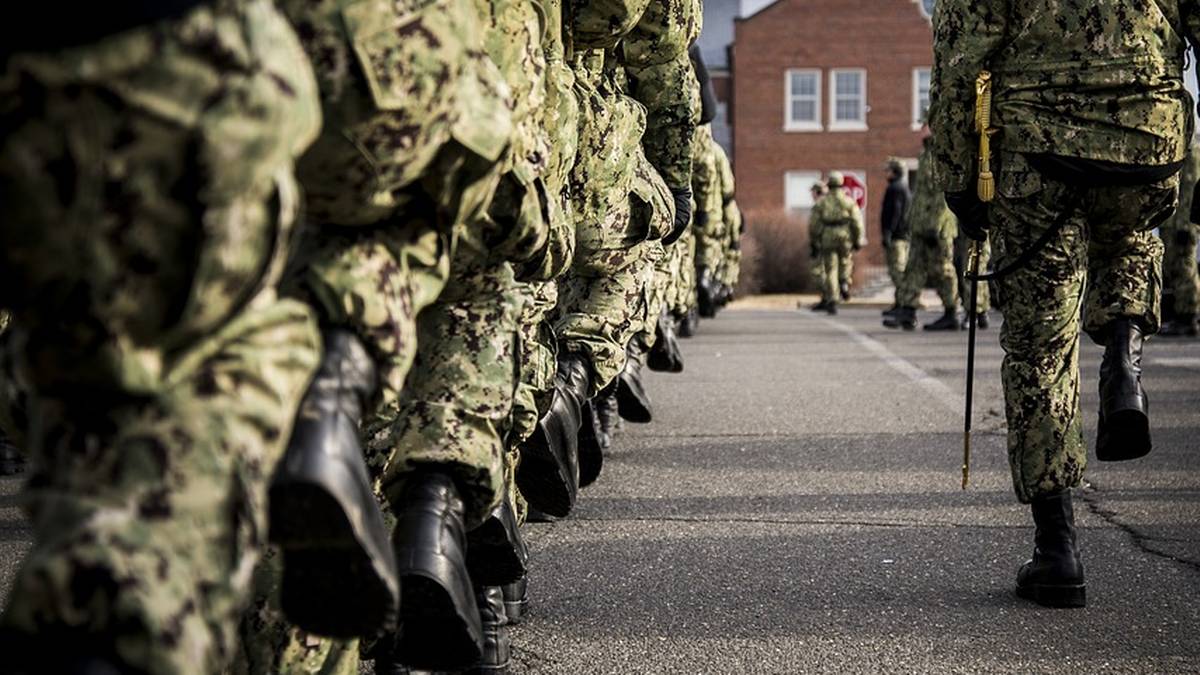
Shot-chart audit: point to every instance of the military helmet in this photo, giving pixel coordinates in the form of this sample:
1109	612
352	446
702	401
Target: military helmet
835	179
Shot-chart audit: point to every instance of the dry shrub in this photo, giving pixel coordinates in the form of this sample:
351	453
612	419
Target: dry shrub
775	255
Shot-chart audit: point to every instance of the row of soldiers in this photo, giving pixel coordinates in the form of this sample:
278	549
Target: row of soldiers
362	278
925	249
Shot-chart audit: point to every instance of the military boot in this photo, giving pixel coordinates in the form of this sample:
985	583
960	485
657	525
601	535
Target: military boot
844	290
548	474
516	600
591	451
665	356
339	573
496	552
632	400
497	648
981	321
608	416
1124	426
1054	576
1183	325
949	321
831	308
439	617
12	461
821	306
890	310
706	293
905	317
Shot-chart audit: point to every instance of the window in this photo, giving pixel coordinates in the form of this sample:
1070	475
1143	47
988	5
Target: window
848	104
796	189
920	97
802	100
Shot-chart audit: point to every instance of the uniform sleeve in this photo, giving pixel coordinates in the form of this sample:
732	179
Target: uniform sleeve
966	35
857	233
662	79
706	186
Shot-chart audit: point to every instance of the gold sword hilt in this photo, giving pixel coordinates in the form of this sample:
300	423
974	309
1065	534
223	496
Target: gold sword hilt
986	183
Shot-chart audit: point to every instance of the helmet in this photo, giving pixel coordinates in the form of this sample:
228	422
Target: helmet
835	179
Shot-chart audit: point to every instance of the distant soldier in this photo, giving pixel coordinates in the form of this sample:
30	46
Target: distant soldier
1179	235
837	221
818	190
892	222
1093	122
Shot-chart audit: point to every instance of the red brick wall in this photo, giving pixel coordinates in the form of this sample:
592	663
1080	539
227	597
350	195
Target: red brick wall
887	38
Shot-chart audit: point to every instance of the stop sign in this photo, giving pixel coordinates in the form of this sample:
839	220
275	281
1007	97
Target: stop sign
856	188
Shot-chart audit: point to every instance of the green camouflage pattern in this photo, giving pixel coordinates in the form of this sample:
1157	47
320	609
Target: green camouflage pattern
1058	67
1104	264
708	216
1180	237
166	370
931	260
836	224
731	267
898	254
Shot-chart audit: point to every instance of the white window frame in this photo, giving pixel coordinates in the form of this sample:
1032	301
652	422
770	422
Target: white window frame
806	178
851	125
916	96
790	124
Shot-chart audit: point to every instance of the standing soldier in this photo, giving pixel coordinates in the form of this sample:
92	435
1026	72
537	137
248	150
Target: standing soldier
818	190
931	256
893	222
1092	123
147	197
1179	237
836	222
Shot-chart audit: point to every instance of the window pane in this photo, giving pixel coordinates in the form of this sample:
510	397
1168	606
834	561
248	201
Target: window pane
804	84
848	83
804	111
847	110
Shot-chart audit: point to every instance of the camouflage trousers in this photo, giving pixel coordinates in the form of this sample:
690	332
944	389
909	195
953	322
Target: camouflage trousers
681	293
731	270
983	302
1103	264
897	260
836	266
1179	268
930	263
710	248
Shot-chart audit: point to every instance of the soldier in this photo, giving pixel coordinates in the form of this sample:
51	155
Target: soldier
708	224
837	222
147	196
735	227
931	256
894	223
1090	175
1179	237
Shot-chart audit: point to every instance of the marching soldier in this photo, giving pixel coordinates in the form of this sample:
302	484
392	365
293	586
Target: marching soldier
837	222
1086	168
1179	237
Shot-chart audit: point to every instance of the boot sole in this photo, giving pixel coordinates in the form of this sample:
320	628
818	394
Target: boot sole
331	585
540	479
1123	435
435	634
491	558
1055	596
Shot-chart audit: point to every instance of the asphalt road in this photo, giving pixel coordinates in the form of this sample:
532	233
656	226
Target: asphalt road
795	508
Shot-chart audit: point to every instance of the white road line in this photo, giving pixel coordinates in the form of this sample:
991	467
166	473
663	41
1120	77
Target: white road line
1177	362
935	387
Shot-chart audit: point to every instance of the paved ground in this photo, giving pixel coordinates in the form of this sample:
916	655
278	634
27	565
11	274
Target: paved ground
795	508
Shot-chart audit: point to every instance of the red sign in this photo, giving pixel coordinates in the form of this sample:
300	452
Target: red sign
856	188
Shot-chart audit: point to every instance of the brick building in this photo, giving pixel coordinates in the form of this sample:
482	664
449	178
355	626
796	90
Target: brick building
821	85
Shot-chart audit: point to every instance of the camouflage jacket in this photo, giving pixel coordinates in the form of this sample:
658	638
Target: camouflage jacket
1096	79
706	186
926	210
837	210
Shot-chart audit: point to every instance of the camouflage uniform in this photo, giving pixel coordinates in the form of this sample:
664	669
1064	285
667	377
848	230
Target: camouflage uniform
932	229
625	50
732	216
1057	73
165	370
836	223
708	218
1179	235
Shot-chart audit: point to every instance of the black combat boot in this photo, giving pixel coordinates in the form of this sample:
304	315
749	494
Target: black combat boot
339	573
1054	577
664	356
890	310
497	649
706	293
844	290
496	552
608	416
12	461
821	306
1124	426
904	317
548	474
516	600
831	308
1183	325
591	450
949	321
981	321
632	400
439	617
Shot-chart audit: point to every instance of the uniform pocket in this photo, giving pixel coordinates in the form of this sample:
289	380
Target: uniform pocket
1016	177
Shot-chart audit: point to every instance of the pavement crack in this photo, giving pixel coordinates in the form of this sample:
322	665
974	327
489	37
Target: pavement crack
1091	497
